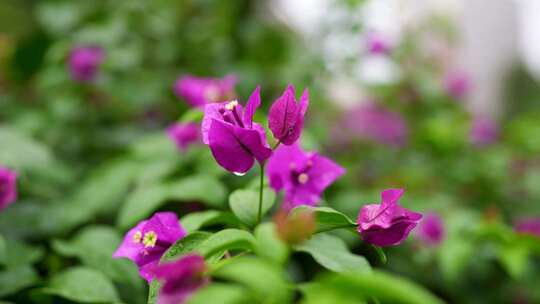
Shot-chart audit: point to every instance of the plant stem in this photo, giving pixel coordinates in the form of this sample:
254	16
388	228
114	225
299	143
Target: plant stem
259	216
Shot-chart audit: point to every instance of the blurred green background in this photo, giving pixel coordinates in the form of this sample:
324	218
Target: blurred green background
93	157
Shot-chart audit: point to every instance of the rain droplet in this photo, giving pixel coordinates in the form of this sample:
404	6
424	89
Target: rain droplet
239	173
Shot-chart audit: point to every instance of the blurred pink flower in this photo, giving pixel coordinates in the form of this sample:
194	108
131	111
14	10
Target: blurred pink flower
373	122
8	187
484	131
184	134
457	84
84	62
528	226
376	44
431	230
198	91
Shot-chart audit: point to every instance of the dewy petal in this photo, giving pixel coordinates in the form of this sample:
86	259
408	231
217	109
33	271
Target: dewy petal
211	112
227	149
253	103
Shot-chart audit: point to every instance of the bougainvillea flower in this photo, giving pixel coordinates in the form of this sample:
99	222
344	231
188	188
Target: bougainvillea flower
528	226
431	230
303	175
8	187
484	131
84	63
457	84
376	44
375	123
184	134
180	278
199	91
146	242
388	223
235	140
286	116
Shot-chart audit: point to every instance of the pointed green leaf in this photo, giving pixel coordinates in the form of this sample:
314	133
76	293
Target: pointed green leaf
327	218
245	204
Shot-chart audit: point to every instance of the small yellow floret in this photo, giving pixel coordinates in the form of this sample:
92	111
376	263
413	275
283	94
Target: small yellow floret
150	239
303	178
137	237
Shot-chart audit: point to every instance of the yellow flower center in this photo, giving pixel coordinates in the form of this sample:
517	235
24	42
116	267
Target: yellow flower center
303	178
231	105
137	237
150	239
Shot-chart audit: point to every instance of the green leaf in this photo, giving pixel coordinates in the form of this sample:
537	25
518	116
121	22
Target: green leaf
227	239
245	204
82	285
17	278
220	293
3	252
147	198
332	253
317	293
382	286
264	279
327	218
185	245
94	246
269	245
197	220
19	253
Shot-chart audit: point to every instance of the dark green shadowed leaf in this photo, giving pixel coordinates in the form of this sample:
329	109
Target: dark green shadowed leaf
17	278
245	204
269	245
197	220
18	253
382	286
146	199
221	293
332	253
94	246
227	239
264	279
82	285
327	218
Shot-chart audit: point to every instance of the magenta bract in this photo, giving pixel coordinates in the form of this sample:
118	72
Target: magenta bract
8	187
84	63
373	122
303	175
149	239
457	84
184	134
286	116
376	44
431	230
528	226
234	139
484	131
388	223
180	278
198	91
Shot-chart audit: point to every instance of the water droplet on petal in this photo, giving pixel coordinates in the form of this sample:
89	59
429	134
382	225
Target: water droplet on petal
239	173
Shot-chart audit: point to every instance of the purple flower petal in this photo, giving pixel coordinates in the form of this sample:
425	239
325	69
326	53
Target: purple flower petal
431	230
149	239
386	224
8	187
180	278
286	116
253	103
303	175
